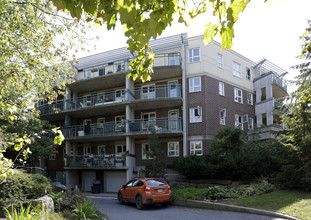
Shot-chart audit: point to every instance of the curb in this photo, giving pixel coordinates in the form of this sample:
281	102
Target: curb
225	207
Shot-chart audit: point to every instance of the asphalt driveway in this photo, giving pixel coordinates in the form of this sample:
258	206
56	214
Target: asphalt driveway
115	211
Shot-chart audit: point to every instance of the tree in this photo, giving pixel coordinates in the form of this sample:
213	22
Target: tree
144	20
34	42
155	164
297	135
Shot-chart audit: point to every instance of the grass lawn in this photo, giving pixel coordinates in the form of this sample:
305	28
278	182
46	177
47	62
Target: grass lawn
290	202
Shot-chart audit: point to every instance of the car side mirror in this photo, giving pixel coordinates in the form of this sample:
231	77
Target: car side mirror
124	186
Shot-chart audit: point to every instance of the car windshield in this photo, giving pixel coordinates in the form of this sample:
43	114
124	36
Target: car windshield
156	182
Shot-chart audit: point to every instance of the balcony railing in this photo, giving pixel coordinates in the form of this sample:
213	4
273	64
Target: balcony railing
167	59
280	82
98	129
117	96
159	125
113	128
155	92
93	161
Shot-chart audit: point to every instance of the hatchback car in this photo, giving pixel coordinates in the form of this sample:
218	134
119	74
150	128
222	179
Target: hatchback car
143	191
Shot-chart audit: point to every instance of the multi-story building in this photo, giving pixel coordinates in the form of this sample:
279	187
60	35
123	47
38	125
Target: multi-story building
107	118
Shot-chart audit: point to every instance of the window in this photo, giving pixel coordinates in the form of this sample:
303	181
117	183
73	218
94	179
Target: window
237	69
100	122
196	148
195	114
172	59
249	98
250	123
120	149
238	122
238	95
148	92
101	150
88	74
221	88
248	74
194	55
149	120
145	150
220	61
120	95
263	94
195	84
120	123
222	116
52	156
173	149
264	119
86	151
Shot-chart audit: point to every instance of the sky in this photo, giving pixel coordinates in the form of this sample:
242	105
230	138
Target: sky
263	30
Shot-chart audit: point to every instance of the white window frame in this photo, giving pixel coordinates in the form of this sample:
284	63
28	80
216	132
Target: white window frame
238	97
250	98
87	151
220	60
194	148
237	69
194	58
99	152
193	87
120	95
119	122
143	150
120	149
221	88
195	114
238	121
151	120
174	151
222	116
148	91
248	74
250	123
101	122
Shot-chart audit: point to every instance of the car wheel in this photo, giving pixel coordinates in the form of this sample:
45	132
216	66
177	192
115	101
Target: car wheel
120	199
139	202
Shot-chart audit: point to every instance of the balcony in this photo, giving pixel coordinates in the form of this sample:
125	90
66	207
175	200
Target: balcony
112	130
267	132
95	161
119	70
145	95
92	130
279	86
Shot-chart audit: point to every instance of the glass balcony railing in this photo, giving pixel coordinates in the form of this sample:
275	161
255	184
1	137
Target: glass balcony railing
98	129
280	82
112	128
159	124
166	59
117	96
155	92
89	161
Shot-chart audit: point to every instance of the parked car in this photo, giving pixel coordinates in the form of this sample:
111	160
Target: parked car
143	191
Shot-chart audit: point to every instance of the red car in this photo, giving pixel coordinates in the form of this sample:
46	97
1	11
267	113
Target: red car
143	191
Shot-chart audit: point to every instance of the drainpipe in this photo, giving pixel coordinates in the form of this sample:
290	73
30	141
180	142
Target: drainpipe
184	97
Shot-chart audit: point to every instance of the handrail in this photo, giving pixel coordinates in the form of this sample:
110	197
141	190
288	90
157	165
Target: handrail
108	160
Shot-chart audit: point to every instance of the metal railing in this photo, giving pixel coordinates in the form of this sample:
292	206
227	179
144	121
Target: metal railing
166	59
111	160
116	96
98	129
155	92
111	128
159	125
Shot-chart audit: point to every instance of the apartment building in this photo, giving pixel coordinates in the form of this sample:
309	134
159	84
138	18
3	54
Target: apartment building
195	90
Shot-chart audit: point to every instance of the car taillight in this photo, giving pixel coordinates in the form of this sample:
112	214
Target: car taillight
169	188
147	188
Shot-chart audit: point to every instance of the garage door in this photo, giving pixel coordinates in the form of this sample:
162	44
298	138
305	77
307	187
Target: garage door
114	181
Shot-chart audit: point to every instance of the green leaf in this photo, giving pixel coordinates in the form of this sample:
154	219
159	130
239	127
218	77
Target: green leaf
210	32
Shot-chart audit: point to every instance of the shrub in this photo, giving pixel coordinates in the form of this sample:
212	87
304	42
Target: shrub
215	193
251	190
67	200
22	187
87	210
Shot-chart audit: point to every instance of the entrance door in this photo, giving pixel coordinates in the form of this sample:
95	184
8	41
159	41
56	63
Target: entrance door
172	89
173	120
87	180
